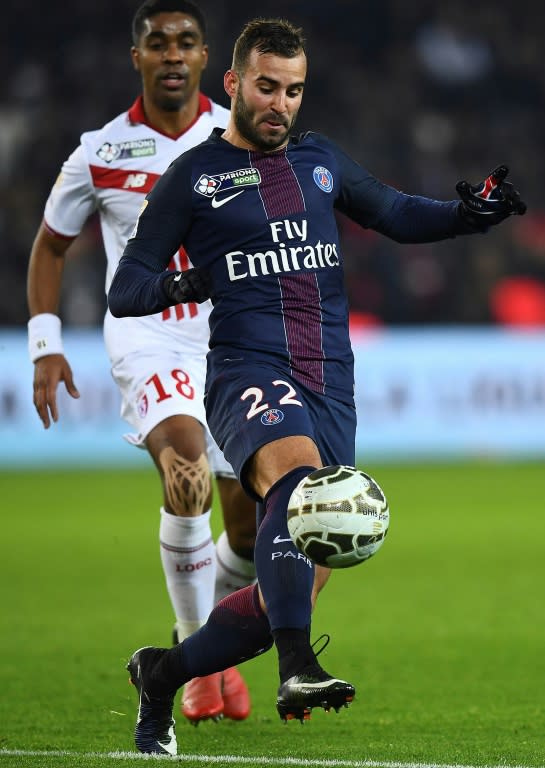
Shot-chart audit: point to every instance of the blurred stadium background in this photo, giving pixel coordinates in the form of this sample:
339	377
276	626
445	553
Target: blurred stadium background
450	367
449	337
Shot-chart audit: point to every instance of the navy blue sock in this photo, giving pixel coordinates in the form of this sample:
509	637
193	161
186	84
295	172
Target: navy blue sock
284	574
236	630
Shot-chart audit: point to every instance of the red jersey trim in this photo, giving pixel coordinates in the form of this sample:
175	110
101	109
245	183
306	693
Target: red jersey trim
54	232
129	181
137	115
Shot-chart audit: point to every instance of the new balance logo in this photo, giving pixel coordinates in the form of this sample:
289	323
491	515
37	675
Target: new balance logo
135	180
218	203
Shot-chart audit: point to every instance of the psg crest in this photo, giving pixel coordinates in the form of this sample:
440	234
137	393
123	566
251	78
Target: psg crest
323	178
272	416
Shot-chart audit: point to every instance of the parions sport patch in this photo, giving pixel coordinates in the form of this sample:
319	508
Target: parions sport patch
243	177
126	149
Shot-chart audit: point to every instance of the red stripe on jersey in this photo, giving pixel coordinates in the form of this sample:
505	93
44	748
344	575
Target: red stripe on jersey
180	310
184	259
180	262
129	181
300	295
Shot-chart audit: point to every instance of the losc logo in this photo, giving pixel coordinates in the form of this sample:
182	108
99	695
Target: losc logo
190	567
272	416
142	405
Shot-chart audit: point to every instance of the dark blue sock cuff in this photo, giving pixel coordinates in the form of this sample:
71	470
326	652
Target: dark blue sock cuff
301	471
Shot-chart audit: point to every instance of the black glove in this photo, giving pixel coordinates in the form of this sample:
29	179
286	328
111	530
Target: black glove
193	285
489	202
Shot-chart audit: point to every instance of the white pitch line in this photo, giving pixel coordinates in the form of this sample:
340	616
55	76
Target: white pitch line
244	760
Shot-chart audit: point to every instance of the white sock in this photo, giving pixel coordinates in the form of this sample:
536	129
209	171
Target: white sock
232	572
189	563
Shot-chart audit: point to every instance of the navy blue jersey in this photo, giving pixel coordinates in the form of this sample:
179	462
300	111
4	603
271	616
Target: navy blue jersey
264	226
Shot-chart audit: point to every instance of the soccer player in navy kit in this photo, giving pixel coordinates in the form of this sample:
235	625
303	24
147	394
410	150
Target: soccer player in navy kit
254	208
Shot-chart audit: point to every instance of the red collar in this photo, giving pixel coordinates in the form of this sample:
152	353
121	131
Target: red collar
137	115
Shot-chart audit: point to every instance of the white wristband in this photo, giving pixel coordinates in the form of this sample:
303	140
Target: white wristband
44	336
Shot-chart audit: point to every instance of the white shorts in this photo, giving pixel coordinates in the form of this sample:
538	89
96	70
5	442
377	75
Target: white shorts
164	378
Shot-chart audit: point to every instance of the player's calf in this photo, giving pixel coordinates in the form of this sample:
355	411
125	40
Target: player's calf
186	483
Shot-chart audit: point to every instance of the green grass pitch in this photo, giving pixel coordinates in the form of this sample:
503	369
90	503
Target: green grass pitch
442	632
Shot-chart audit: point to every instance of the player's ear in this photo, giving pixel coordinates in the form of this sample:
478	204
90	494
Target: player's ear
135	58
204	57
230	83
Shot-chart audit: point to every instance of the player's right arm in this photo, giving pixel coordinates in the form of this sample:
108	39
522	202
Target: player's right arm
71	200
140	285
44	281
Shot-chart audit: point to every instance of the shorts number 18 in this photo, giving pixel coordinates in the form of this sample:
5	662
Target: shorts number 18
182	386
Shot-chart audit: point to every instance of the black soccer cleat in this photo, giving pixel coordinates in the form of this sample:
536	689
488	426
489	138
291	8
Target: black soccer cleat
312	688
154	731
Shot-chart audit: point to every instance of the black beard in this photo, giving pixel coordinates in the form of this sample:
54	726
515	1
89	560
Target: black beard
243	121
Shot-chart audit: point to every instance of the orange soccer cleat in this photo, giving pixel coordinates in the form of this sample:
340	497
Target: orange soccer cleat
236	698
202	699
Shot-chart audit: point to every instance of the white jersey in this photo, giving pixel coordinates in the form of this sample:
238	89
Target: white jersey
111	172
159	361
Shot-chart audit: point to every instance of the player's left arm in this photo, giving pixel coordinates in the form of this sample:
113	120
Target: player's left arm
489	202
416	219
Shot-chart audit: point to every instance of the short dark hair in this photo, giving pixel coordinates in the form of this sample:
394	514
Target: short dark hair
152	7
276	36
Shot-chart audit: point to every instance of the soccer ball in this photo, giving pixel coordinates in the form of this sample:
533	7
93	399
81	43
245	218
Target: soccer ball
338	516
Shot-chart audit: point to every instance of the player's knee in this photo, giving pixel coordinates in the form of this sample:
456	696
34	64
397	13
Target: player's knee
186	484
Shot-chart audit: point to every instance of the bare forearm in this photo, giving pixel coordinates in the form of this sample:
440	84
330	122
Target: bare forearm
45	272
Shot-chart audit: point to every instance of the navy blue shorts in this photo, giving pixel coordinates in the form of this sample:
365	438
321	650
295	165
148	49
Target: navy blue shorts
250	404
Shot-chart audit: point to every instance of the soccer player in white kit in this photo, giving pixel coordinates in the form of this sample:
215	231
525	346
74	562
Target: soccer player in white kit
158	361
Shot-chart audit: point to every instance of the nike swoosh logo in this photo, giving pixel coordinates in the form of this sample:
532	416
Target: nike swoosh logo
171	746
302	687
219	203
278	540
